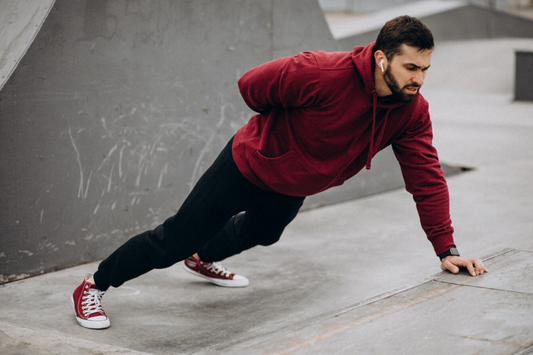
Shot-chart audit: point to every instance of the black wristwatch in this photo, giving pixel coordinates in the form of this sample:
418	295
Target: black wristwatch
452	251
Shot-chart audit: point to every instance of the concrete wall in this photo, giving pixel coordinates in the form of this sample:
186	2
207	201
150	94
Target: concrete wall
116	110
119	106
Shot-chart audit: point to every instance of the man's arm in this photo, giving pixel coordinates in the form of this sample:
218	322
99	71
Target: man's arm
425	180
285	82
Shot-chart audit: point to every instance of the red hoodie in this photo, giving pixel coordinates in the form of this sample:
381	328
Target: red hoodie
320	122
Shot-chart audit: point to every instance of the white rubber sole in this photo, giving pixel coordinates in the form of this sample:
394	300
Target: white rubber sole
90	324
239	282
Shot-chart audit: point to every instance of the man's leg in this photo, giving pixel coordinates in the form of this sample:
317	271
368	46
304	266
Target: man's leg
262	224
219	194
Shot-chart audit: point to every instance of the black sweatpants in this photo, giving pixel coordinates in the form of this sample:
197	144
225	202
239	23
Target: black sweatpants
223	215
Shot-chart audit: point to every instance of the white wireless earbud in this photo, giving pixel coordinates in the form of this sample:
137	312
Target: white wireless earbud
381	65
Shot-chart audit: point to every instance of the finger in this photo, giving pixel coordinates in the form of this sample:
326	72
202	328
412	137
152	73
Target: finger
470	268
480	268
448	265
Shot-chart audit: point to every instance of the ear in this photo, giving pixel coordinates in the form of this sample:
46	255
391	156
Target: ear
380	59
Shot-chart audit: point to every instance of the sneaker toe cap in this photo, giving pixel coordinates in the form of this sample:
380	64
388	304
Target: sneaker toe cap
239	278
240	281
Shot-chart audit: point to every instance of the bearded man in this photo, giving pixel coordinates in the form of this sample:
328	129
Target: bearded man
321	118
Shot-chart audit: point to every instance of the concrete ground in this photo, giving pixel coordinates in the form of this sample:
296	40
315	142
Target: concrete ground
357	277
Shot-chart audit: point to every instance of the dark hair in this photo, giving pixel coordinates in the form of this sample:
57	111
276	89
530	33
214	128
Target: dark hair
403	30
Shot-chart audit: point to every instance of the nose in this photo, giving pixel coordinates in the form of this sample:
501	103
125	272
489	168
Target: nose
418	78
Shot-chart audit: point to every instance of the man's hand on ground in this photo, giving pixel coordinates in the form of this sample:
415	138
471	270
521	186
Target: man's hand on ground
453	263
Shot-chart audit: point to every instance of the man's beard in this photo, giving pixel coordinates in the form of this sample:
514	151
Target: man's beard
398	92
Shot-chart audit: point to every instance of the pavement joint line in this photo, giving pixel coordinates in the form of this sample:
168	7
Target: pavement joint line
305	323
482	287
364	319
499	253
435	278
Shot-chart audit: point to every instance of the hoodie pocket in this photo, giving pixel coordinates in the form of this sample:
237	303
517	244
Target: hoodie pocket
288	174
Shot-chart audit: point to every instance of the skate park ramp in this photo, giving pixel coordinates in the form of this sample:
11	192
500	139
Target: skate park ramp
20	22
116	108
448	20
112	110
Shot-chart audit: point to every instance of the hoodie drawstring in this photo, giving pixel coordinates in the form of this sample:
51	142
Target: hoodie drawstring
371	148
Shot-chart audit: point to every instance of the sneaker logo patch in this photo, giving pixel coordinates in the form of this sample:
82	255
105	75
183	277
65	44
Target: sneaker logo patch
190	263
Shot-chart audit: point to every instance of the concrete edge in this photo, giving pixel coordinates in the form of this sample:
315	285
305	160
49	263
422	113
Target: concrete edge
51	342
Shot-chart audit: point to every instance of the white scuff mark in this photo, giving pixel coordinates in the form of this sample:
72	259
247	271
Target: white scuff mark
108	132
110	178
27	252
42	214
113	206
141	165
174	127
207	146
130	291
120	161
154	145
80	188
163	172
3	255
88	183
96	209
136	194
70	242
109	154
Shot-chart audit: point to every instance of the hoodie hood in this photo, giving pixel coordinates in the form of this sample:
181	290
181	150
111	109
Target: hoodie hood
363	59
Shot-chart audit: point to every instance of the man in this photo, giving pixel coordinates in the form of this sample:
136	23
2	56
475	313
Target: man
321	118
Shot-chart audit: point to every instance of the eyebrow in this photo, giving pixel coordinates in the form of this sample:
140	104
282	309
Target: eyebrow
417	66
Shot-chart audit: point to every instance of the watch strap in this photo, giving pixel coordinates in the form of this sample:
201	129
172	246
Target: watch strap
451	251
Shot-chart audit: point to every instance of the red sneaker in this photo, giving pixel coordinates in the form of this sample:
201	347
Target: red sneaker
86	301
214	272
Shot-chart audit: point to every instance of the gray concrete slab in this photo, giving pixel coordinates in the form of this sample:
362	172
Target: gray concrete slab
448	314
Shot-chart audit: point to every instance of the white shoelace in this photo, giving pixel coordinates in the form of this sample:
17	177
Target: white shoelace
92	302
218	269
